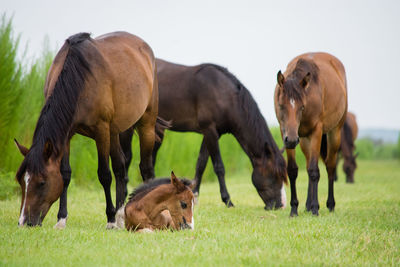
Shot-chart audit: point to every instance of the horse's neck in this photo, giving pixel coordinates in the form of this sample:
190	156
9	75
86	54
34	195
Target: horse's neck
250	142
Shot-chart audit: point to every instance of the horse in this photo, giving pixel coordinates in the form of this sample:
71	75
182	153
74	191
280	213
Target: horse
311	105
97	88
347	147
161	204
210	100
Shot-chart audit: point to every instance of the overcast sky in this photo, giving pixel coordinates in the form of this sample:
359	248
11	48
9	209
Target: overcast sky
253	39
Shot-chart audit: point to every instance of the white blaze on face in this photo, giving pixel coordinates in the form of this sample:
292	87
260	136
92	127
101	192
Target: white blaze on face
292	103
191	225
27	179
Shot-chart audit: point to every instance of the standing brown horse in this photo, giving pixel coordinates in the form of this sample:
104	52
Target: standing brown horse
98	88
161	204
347	147
311	106
210	100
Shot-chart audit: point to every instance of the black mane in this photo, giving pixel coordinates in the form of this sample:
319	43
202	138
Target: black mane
55	120
143	189
253	120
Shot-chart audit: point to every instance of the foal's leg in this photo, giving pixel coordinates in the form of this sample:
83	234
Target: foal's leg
311	147
200	167
330	162
121	179
65	170
146	131
292	171
211	139
103	153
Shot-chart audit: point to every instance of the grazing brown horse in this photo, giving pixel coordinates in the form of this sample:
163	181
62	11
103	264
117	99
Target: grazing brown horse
210	100
347	147
98	88
161	204
311	106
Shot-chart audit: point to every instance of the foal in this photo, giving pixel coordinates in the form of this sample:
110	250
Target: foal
161	204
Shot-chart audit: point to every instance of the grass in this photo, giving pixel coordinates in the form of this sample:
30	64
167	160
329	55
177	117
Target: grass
364	229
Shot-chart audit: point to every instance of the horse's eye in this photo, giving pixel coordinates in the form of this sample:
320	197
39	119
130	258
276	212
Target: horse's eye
302	108
42	183
183	205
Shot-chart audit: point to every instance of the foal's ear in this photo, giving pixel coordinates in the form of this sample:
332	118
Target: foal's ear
280	78
306	80
177	183
21	148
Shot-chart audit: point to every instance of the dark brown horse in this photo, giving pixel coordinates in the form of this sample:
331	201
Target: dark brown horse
347	147
311	106
209	100
98	88
161	204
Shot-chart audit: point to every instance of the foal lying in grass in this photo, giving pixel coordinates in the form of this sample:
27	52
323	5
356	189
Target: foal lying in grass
161	204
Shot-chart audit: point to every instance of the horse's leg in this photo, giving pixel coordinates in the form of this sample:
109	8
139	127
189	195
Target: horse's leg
211	139
65	170
305	148
125	138
121	179
103	153
292	170
330	162
200	167
146	131
157	145
311	147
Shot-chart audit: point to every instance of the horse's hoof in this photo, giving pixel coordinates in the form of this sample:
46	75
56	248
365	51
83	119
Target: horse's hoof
229	204
61	223
315	213
111	225
293	213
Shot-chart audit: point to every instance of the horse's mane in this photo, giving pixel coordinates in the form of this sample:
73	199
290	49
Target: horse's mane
253	119
55	120
145	188
303	66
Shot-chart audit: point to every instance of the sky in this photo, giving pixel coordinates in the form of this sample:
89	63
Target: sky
253	39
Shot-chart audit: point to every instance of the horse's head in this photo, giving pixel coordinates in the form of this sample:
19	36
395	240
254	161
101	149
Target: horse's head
349	167
181	204
269	174
39	188
290	103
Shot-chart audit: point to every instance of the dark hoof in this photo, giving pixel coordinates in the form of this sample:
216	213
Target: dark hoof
315	212
229	204
349	181
293	213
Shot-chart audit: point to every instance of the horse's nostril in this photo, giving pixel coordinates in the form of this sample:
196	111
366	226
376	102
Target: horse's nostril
286	139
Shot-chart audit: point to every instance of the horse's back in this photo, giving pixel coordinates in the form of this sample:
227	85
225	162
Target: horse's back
192	96
124	79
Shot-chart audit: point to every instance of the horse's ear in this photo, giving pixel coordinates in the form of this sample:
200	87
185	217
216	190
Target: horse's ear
24	151
177	183
192	185
47	150
306	80
280	78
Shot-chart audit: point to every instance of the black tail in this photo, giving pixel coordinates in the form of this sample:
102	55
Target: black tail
161	125
348	136
324	147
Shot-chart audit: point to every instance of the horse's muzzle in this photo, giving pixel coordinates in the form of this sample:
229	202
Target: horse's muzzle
291	144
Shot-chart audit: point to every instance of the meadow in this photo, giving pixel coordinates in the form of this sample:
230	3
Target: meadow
364	229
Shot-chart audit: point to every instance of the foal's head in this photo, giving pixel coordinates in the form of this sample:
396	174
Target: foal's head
290	103
181	204
40	188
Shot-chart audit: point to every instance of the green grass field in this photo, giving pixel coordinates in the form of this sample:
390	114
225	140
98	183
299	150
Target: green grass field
364	229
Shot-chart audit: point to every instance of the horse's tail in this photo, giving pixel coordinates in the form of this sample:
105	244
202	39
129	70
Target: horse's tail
161	125
348	136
